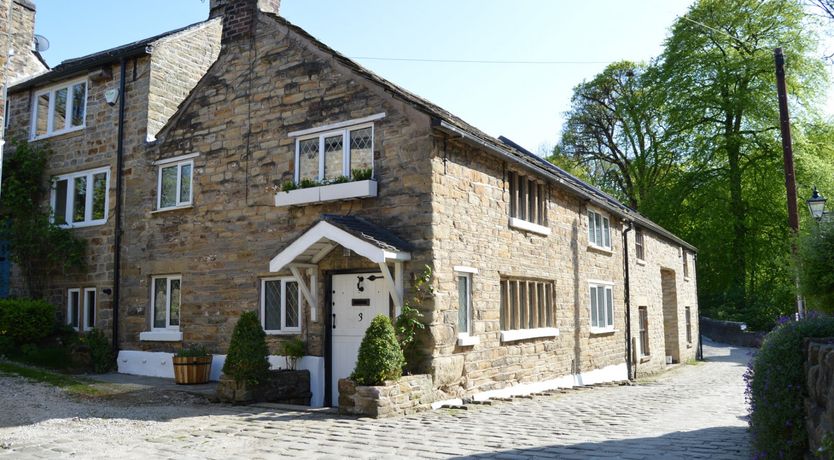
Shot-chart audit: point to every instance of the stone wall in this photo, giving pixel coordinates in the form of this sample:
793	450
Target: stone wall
408	395
651	289
179	61
819	399
730	332
281	386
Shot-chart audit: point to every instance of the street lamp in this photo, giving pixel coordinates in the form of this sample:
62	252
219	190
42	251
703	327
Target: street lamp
816	204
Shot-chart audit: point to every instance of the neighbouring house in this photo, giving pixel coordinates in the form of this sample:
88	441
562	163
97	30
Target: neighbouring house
91	111
293	182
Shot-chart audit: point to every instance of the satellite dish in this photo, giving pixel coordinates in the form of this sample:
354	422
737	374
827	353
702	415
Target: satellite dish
41	43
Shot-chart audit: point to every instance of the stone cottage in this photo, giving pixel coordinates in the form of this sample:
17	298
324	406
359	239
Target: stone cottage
293	182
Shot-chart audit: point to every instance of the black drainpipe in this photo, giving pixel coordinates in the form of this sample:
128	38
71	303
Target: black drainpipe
627	288
117	237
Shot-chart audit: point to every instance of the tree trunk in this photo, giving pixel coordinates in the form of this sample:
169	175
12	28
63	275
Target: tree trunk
737	294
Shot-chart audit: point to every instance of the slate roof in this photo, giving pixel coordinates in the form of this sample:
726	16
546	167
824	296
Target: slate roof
75	66
372	233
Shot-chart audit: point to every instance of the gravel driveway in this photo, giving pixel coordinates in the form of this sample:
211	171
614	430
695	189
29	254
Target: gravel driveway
691	412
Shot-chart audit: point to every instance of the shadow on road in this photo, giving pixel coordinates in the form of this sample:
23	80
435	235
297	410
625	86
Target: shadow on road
728	442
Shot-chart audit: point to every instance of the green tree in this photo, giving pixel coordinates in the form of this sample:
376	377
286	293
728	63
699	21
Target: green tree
38	247
617	133
719	70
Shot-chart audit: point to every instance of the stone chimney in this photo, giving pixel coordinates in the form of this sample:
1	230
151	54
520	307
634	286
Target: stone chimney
239	15
23	61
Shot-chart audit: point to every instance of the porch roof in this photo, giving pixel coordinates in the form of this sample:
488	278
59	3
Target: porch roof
360	236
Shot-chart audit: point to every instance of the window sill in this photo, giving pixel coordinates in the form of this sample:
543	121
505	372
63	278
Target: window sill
686	278
323	193
640	261
603	330
524	334
57	133
173	208
466	340
294	332
645	359
161	336
600	249
521	224
92	223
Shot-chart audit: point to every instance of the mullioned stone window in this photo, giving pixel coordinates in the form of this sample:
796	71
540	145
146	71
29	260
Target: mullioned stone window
526	304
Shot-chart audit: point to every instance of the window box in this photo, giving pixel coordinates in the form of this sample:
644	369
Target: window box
348	190
297	196
331	192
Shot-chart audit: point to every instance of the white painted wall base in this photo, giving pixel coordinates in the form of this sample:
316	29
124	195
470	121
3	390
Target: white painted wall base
613	373
159	364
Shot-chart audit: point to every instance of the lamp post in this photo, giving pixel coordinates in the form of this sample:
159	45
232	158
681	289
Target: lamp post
816	204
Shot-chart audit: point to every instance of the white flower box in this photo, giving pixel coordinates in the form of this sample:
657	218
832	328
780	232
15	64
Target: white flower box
297	196
348	190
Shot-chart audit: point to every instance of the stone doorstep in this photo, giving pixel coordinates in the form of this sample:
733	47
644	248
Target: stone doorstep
296	408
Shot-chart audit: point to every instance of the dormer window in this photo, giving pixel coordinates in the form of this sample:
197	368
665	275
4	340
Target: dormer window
59	109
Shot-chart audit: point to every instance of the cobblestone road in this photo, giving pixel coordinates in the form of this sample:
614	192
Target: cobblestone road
694	411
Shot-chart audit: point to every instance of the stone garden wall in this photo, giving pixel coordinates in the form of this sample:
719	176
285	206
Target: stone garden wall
819	401
730	332
410	394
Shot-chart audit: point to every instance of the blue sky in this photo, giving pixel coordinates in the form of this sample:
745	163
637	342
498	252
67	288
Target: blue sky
523	102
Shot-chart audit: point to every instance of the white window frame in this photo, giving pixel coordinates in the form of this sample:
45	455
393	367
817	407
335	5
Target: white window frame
87	325
685	265
608	322
70	292
594	218
321	135
51	90
284	329
179	202
168	326
88	205
643	331
467	278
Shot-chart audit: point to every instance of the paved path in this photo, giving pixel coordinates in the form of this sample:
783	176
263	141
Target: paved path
691	412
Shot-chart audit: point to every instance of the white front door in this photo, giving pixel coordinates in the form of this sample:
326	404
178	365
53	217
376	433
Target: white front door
357	298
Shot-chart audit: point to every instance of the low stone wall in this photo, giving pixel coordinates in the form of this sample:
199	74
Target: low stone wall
408	395
730	332
282	386
819	400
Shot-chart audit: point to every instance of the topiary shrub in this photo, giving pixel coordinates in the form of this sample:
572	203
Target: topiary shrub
247	359
26	320
380	356
775	385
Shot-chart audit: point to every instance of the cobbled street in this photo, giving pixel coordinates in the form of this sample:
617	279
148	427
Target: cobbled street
694	411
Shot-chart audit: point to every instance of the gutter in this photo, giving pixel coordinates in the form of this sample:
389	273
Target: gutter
622	212
117	255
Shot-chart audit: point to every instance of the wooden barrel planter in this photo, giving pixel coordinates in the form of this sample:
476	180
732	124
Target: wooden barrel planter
192	370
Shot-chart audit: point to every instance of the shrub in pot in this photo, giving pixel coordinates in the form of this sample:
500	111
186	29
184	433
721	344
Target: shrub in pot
293	350
192	365
380	356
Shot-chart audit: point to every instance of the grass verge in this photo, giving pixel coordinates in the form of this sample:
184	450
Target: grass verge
68	383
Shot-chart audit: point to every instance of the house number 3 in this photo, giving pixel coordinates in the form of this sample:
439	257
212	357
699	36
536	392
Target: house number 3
360	317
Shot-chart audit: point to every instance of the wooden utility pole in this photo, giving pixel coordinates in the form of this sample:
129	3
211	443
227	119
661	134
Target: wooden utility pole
790	177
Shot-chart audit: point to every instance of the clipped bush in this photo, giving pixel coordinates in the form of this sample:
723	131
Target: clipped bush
247	359
101	353
775	385
26	320
380	356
